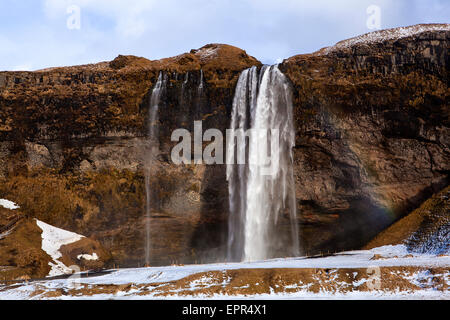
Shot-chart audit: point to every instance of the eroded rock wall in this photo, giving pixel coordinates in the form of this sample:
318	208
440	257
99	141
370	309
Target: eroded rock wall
373	134
74	143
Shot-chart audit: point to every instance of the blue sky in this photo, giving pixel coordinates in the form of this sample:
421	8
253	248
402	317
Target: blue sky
34	33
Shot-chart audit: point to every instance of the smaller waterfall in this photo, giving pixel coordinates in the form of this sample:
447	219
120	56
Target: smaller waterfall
185	82
200	99
201	84
183	101
152	155
257	199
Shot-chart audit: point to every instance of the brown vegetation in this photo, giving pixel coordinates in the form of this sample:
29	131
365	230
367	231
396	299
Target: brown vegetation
21	254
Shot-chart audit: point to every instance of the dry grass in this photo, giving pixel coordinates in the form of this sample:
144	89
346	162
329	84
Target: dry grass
21	252
76	202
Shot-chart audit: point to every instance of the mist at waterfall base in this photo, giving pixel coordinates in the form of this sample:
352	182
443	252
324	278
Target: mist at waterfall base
262	220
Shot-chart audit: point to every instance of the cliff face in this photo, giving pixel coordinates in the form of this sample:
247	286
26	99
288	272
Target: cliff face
372	120
373	131
74	145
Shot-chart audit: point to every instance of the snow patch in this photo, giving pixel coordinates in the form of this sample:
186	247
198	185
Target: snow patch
207	53
159	276
8	204
93	256
392	256
52	239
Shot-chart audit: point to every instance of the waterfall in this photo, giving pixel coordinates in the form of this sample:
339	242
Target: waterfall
200	97
200	86
262	103
245	96
152	155
185	82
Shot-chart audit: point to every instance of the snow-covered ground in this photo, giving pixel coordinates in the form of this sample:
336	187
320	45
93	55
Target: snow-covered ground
428	274
388	256
393	256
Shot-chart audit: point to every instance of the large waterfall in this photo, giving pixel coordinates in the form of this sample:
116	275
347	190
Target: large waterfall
262	202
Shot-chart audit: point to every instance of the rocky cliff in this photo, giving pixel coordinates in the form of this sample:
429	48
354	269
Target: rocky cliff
372	143
74	143
373	131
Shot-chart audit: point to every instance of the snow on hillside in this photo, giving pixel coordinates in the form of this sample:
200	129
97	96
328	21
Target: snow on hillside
149	283
207	53
437	243
384	35
52	239
8	204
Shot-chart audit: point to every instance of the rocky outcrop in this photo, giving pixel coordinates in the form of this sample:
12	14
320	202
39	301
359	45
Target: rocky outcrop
372	120
85	253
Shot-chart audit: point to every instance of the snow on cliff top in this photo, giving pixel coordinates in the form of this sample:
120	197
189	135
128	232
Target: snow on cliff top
385	35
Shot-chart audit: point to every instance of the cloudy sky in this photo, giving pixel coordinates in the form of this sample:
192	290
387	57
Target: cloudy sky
35	34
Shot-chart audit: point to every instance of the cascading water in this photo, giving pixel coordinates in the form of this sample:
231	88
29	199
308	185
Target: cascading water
153	152
200	97
201	85
243	102
257	199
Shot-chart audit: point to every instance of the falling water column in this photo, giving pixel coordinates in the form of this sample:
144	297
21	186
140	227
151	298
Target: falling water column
153	151
270	193
257	199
